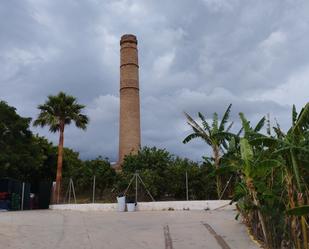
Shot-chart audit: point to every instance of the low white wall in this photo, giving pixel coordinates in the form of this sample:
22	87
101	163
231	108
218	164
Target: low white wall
86	207
150	206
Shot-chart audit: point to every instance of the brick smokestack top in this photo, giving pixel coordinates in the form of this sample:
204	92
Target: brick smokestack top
129	127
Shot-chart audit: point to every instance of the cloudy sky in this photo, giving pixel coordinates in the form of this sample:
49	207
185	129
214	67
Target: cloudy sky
195	55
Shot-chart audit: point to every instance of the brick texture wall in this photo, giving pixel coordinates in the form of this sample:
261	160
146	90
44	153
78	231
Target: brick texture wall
129	127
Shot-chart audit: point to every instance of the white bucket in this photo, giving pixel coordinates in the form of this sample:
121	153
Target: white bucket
131	207
121	203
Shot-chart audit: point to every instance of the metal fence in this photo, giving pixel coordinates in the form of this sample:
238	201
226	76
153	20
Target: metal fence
135	187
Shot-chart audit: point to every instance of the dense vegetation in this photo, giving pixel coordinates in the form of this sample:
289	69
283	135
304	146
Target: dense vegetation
165	175
22	155
272	174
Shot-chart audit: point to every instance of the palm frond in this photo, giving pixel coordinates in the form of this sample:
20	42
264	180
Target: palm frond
225	118
204	122
246	155
224	145
190	137
60	109
229	127
260	124
245	123
294	115
302	121
240	131
215	127
280	134
265	141
81	121
283	150
192	123
268	129
224	135
198	130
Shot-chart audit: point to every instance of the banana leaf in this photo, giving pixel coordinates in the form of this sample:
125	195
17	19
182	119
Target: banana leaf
299	211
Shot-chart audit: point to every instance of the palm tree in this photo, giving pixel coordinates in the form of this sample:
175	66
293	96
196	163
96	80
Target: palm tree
214	135
57	112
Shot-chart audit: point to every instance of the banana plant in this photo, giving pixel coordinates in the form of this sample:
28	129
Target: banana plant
289	147
251	165
294	145
241	155
257	167
215	135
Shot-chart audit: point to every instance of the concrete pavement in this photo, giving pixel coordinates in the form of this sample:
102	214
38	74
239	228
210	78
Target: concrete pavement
49	229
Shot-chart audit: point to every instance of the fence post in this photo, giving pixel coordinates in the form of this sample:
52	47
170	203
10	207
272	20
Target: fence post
73	191
22	196
187	188
70	190
135	188
93	190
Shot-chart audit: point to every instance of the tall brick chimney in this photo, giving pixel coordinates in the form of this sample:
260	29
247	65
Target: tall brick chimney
129	127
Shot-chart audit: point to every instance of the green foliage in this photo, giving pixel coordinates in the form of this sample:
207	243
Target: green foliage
151	164
165	175
176	178
83	173
299	211
72	164
246	155
147	158
100	168
21	154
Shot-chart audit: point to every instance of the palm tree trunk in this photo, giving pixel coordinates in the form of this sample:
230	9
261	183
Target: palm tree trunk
59	163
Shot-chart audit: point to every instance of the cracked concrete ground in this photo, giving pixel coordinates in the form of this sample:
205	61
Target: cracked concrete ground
49	229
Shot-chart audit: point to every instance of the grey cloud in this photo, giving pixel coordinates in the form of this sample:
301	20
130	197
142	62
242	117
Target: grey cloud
194	56
164	123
